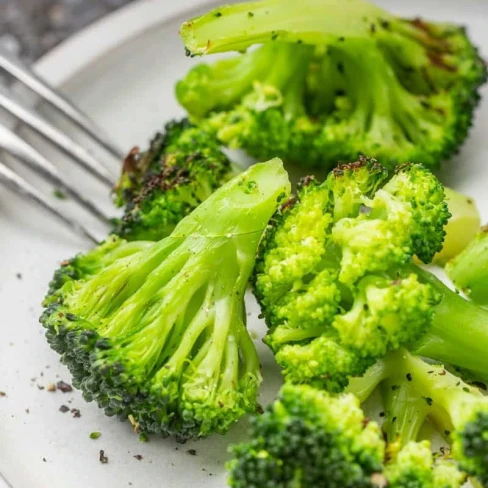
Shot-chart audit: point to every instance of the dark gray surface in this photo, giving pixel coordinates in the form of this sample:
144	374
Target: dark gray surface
29	28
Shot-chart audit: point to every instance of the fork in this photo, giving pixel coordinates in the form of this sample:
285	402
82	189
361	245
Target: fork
14	145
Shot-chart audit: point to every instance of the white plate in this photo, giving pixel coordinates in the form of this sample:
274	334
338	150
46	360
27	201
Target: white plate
121	71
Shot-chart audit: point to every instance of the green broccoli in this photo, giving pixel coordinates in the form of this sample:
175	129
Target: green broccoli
332	273
308	438
337	285
415	390
183	166
155	332
469	269
332	80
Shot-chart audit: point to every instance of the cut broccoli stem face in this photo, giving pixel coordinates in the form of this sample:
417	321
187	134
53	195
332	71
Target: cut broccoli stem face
456	407
457	334
156	331
237	27
469	270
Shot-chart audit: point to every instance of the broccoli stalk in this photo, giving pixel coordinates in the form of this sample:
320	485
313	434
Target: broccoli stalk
469	269
459	410
155	332
458	331
362	81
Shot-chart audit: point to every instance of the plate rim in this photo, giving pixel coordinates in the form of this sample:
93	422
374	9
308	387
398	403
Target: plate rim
71	56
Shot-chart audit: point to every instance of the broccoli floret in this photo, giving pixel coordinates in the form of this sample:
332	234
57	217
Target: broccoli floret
415	467
183	166
308	438
469	269
332	275
155	332
332	80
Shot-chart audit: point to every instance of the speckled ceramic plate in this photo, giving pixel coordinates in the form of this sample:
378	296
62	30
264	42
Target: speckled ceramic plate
121	71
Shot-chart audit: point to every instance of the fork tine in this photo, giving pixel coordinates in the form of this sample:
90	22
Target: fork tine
22	187
13	144
25	75
56	137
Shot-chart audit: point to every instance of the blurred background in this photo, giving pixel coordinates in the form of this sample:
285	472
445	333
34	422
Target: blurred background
30	28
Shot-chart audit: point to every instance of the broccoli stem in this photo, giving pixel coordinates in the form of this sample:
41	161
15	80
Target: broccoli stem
363	386
458	333
445	395
405	411
469	270
237	27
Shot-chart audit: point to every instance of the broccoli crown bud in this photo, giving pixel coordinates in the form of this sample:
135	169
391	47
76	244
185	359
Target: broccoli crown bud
332	273
308	438
332	80
183	166
155	332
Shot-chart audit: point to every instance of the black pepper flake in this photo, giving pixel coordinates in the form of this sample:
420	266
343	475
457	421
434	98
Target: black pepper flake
64	387
393	420
428	400
274	36
218	14
44	460
250	15
192	452
63	408
102	458
138	457
40	387
340	68
394	387
27	410
382	414
19	276
409	377
466	389
76	413
447	432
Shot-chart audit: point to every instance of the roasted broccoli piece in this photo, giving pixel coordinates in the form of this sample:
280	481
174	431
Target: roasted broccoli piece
308	438
337	284
469	269
155	332
332	273
183	166
332	80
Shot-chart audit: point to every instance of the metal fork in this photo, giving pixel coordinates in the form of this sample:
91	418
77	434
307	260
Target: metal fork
11	143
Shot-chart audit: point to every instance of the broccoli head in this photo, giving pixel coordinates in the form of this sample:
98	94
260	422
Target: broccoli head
155	331
183	166
333	79
332	275
309	438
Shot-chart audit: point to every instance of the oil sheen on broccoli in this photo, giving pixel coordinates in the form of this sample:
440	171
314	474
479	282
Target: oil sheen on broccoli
183	166
155	331
332	79
308	438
